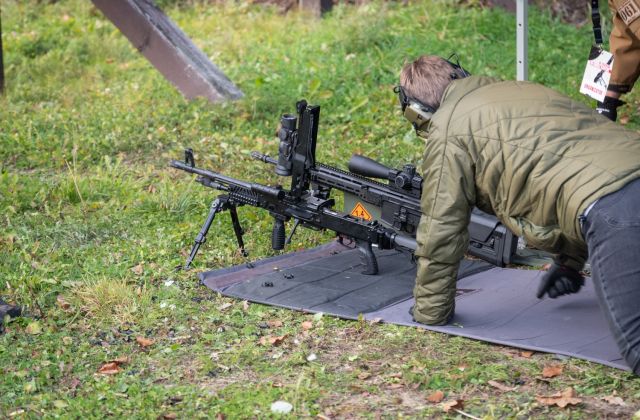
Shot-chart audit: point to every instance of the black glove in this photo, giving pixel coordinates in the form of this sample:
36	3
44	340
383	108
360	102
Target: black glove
559	280
609	108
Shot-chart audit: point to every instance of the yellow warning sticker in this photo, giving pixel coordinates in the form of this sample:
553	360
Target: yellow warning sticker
361	212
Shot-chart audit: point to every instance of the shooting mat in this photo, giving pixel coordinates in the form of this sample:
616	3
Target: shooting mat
496	305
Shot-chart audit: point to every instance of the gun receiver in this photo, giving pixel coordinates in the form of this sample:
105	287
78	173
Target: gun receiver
308	207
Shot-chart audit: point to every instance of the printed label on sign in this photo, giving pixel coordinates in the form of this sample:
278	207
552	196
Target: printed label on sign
361	212
629	11
597	74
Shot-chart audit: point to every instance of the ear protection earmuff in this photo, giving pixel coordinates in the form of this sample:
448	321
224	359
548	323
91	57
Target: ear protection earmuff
417	112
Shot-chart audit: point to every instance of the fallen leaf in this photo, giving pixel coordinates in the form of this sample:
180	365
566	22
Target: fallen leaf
151	189
526	354
452	405
624	120
395	386
169	416
275	323
245	305
501	386
364	375
462	367
272	340
307	325
119	360
225	306
109	368
375	321
550	371
138	269
144	342
436	397
614	400
62	304
561	399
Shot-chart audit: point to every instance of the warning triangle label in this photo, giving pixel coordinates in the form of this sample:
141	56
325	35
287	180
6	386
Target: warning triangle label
361	212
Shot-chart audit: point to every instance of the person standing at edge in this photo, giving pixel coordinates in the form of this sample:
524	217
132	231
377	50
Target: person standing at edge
625	47
552	170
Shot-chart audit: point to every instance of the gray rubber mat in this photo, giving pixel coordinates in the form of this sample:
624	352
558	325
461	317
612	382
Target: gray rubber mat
496	305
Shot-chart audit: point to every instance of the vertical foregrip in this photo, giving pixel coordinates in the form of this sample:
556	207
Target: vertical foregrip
367	257
277	235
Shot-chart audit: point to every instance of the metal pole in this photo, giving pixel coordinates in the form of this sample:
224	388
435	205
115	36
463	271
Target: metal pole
522	44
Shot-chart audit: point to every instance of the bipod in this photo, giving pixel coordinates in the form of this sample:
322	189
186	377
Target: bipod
220	204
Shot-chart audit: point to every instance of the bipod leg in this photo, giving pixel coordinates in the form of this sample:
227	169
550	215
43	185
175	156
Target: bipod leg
237	229
218	205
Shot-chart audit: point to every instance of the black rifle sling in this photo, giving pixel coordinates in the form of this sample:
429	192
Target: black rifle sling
595	18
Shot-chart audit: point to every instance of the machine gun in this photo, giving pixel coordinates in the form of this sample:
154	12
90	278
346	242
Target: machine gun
308	207
385	215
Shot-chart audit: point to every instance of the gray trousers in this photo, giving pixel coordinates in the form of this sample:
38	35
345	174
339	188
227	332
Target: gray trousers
612	232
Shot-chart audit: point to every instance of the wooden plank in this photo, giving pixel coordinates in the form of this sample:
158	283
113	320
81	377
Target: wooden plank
162	42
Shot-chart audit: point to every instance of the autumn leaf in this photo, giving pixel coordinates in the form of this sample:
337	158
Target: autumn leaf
144	342
502	387
526	354
275	323
138	269
110	368
272	340
436	397
225	306
551	371
561	399
364	375
119	360
245	305
62	303
452	405
307	325
614	400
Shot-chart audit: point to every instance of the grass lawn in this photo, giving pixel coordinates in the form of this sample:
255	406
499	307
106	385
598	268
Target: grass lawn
93	222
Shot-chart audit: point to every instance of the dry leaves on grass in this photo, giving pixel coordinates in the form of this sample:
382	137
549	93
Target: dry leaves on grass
551	371
275	323
436	397
561	399
614	400
502	387
526	354
307	325
112	367
452	405
144	342
272	340
245	305
62	303
138	269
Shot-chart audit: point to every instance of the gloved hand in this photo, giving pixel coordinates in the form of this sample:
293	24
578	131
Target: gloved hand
559	280
609	108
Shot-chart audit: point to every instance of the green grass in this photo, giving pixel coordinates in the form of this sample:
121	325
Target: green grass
93	222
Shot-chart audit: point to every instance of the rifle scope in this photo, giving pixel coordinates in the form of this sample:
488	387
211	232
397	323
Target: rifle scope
405	179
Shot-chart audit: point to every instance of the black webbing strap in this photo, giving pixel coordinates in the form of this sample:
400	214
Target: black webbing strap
595	18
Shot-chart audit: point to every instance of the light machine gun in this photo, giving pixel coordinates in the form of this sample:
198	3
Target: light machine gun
383	215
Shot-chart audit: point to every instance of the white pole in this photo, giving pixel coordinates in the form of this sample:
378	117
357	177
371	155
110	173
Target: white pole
522	34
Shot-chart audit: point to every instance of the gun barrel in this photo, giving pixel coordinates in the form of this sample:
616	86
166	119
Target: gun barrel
405	242
276	193
368	167
263	158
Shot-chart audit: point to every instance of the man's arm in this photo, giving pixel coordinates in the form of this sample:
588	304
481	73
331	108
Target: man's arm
448	196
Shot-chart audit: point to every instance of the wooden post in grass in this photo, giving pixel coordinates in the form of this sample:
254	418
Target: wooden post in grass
162	42
316	7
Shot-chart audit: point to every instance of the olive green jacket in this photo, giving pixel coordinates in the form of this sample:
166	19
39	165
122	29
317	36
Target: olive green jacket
531	156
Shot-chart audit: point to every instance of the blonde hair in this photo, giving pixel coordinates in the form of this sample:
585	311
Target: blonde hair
426	79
